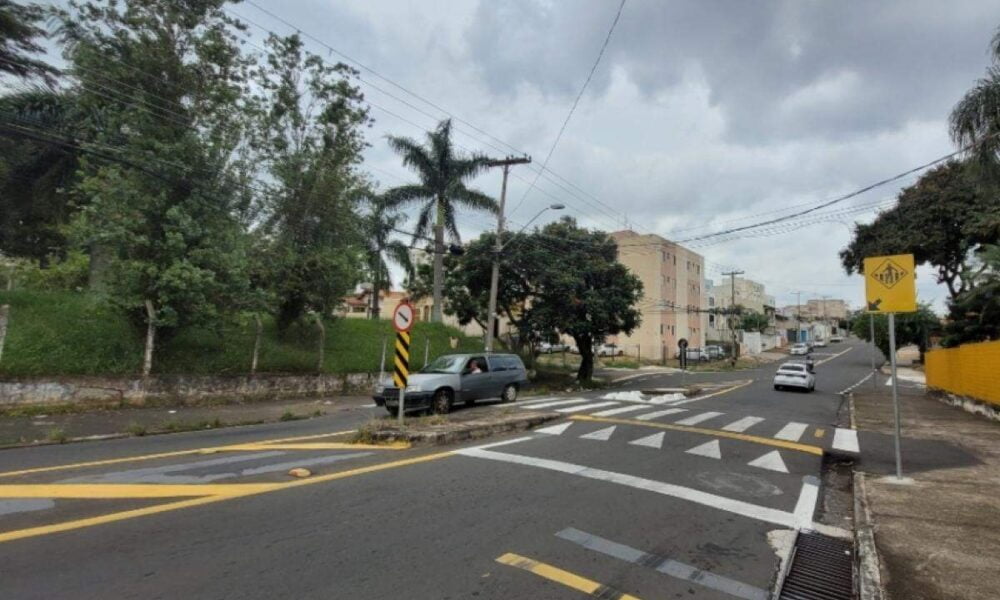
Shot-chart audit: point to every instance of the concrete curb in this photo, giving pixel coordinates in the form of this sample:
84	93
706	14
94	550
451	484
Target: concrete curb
868	566
452	433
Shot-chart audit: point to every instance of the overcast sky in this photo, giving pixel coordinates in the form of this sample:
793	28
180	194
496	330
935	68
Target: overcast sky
701	113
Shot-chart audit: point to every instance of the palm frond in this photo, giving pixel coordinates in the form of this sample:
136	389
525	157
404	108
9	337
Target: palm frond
473	199
404	195
423	223
399	253
414	156
449	223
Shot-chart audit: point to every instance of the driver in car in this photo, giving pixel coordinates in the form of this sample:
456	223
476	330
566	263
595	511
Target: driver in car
473	367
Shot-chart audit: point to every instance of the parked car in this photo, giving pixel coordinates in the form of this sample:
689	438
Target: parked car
698	354
836	339
799	349
794	375
819	343
609	350
715	352
456	378
547	348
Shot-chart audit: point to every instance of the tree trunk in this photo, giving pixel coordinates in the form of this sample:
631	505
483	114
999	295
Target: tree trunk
322	341
4	312
256	344
438	264
586	347
100	259
375	284
147	358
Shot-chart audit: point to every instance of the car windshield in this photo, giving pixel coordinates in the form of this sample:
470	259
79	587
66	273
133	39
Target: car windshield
445	364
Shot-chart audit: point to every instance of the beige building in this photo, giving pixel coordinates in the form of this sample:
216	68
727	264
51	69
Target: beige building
749	294
826	309
674	299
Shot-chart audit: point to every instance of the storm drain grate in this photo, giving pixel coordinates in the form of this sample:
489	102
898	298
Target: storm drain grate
821	569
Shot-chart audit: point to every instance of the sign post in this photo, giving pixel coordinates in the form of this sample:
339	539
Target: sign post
402	320
890	287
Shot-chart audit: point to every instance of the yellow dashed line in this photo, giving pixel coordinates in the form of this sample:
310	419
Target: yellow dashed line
820	432
713	432
132	490
113	461
560	576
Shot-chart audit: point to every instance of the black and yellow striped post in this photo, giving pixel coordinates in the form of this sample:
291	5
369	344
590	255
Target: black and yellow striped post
401	368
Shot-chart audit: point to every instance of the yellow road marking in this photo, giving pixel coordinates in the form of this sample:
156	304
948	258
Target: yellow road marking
132	490
112	461
316	446
713	432
819	432
570	580
161	508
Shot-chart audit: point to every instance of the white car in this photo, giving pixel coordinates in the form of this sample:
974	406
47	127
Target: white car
547	348
820	343
609	350
836	339
794	375
799	349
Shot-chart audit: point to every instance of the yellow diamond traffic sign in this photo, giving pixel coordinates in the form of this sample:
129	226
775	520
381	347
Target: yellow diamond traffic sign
890	283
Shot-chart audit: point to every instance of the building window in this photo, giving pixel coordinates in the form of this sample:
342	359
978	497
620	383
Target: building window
661	328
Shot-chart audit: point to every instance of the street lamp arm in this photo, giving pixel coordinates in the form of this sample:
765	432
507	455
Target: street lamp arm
526	225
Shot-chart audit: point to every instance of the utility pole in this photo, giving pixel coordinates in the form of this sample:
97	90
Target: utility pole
798	317
506	163
732	311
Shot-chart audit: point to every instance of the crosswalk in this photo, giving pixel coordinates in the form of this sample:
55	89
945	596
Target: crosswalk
845	440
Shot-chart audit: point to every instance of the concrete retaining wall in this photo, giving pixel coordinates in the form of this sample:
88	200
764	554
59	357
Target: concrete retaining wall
177	389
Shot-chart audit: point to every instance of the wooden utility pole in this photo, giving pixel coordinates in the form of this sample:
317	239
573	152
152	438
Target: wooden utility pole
506	163
732	311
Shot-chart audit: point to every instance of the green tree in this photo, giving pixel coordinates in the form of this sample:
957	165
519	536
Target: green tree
939	220
911	328
441	191
165	80
974	316
580	289
754	321
308	137
380	224
19	33
975	120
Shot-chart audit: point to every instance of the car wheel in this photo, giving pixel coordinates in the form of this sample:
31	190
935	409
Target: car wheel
509	393
393	410
441	404
777	388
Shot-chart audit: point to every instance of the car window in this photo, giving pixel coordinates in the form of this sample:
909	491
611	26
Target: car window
792	368
445	364
480	362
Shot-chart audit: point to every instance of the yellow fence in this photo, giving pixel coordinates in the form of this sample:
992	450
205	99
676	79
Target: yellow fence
970	370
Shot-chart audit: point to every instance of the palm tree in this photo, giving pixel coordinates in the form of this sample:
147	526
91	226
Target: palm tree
380	225
976	117
19	31
441	190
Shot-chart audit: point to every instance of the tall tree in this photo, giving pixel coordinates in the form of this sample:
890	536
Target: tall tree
380	225
580	288
911	328
754	321
940	220
974	316
309	137
165	78
19	33
976	117
441	191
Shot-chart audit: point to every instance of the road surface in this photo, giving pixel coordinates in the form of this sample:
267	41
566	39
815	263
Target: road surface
628	496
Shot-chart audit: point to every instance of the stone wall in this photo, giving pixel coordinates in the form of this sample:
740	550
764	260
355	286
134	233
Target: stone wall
177	389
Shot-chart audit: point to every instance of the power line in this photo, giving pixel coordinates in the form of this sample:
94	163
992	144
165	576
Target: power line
572	109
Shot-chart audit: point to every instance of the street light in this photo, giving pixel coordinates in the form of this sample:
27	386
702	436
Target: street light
495	276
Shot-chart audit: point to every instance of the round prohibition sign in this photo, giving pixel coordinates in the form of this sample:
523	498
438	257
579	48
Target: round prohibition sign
402	317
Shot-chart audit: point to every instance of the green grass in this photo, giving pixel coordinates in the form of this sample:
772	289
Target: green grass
66	333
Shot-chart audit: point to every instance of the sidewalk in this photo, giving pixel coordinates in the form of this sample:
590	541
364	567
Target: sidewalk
41	427
938	533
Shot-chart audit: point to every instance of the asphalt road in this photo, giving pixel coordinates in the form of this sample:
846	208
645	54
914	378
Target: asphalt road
643	496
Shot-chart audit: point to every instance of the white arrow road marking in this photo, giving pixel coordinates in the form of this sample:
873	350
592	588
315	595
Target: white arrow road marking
743	424
770	461
846	440
801	518
600	434
660	413
708	450
650	441
791	432
555	429
619	410
570	409
694	420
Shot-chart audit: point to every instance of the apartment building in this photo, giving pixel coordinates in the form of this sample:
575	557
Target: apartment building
826	309
675	300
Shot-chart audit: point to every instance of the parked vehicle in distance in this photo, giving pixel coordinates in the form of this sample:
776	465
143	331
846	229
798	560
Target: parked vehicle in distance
819	344
715	352
547	348
836	339
794	375
698	354
456	378
609	350
799	349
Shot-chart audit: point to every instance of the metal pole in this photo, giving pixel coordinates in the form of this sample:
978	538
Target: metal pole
871	327
402	404
495	274
895	395
427	350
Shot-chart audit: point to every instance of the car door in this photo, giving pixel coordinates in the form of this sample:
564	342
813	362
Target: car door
477	385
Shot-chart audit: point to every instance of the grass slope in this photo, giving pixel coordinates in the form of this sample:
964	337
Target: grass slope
64	333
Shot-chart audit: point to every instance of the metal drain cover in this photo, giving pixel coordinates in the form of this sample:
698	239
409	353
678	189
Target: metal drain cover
821	569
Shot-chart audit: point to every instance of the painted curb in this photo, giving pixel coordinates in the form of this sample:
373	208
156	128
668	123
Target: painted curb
868	566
